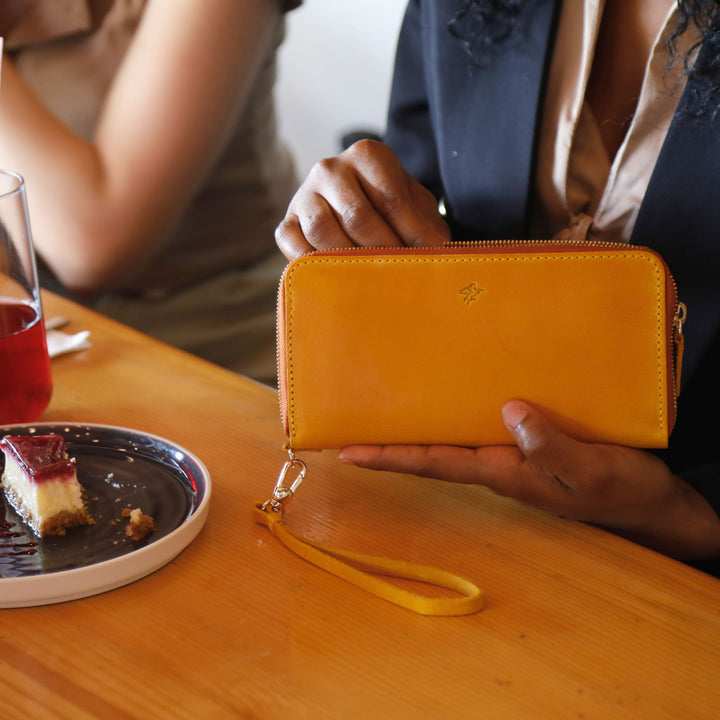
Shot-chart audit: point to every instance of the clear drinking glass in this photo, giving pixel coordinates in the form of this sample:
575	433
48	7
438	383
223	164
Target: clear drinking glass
25	377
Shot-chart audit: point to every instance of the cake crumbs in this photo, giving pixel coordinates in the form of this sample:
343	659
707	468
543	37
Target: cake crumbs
139	524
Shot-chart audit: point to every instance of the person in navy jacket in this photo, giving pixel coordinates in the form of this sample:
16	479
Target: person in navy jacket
518	119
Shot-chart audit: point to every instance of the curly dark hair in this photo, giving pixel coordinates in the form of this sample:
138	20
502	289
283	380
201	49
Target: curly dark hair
704	92
480	25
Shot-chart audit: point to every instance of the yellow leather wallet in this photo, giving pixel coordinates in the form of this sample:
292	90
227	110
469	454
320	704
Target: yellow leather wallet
424	346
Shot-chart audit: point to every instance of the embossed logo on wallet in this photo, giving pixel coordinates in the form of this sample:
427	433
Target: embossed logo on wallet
471	293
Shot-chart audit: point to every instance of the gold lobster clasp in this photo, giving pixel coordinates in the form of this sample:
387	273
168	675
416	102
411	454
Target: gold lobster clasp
286	483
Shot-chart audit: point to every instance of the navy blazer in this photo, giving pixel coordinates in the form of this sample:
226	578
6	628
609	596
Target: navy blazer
469	133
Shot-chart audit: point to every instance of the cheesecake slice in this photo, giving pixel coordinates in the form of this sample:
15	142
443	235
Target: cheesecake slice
40	482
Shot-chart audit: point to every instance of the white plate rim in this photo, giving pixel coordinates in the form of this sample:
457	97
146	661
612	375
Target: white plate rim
65	585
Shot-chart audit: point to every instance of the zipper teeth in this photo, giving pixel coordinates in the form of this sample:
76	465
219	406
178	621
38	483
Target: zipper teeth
281	380
476	243
574	243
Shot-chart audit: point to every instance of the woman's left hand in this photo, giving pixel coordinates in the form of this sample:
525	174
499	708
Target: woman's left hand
628	491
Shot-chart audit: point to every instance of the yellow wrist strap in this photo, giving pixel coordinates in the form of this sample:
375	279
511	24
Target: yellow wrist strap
362	570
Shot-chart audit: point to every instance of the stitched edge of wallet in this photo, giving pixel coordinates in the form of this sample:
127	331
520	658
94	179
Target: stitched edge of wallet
345	259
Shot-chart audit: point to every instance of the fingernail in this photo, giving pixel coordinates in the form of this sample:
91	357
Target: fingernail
342	456
514	414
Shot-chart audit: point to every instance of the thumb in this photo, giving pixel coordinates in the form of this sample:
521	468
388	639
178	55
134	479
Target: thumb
541	442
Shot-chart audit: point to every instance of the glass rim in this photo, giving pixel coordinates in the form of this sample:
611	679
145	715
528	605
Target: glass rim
18	188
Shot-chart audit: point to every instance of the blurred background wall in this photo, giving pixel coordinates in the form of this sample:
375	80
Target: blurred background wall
335	70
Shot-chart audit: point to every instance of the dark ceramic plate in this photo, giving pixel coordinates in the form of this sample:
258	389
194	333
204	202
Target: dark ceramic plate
119	468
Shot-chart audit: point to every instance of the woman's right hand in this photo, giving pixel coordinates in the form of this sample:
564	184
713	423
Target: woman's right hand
362	197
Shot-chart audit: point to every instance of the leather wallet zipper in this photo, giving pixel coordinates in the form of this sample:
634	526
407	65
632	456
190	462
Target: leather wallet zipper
674	320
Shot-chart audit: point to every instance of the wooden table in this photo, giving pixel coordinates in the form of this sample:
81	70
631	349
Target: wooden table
578	623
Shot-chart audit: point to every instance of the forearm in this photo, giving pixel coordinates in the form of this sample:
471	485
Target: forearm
65	179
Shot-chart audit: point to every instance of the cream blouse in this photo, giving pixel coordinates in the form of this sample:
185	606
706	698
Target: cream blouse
575	174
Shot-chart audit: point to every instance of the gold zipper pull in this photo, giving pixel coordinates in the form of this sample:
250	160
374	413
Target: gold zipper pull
286	484
680	317
678	342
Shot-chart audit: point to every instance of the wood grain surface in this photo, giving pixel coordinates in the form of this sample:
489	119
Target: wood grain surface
577	624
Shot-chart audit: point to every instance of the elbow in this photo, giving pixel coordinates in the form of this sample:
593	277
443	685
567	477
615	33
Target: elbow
90	268
89	278
86	285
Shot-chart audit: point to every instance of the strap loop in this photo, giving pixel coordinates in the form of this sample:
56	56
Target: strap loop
358	569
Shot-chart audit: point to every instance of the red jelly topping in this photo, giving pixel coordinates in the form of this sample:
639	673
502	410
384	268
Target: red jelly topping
43	457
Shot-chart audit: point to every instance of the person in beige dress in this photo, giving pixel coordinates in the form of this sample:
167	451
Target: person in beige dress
146	134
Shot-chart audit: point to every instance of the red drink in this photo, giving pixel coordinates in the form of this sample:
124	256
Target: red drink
25	379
